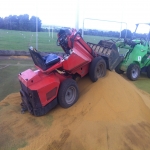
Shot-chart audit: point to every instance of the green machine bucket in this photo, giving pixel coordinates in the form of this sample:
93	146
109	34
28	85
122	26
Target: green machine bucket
108	51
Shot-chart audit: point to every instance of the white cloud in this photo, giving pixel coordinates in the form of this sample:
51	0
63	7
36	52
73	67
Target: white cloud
63	12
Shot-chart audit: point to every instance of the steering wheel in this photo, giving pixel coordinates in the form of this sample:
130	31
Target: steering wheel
133	43
129	42
142	40
61	39
72	41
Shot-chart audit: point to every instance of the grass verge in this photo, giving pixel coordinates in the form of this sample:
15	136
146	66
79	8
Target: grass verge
8	75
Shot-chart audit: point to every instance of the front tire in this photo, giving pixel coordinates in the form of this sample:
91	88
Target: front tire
148	71
97	69
133	72
68	93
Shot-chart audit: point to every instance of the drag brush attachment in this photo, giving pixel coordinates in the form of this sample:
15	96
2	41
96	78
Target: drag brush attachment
108	51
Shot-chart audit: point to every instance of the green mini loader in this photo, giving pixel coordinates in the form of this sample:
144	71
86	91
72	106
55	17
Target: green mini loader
137	57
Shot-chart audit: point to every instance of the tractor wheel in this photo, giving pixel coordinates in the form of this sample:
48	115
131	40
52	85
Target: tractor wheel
133	72
148	71
97	69
117	69
68	93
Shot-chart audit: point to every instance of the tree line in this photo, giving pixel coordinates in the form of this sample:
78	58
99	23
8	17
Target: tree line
125	33
21	23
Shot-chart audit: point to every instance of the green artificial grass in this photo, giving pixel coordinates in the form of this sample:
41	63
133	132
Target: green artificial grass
9	75
21	40
143	83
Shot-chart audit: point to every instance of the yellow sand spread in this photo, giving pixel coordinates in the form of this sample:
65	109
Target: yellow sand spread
111	114
20	57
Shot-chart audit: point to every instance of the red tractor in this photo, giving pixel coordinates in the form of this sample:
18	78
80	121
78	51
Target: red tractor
54	81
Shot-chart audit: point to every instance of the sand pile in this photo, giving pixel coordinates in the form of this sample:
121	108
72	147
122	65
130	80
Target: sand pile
110	114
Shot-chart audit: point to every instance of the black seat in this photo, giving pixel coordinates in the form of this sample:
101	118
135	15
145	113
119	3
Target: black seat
43	62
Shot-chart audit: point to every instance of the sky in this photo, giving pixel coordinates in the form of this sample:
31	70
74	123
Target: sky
67	12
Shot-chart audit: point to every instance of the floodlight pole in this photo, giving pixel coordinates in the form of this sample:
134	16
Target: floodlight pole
37	25
52	32
36	32
51	35
77	15
49	31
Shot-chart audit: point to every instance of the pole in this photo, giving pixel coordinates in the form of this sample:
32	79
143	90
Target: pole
36	32
37	25
83	28
52	32
77	16
49	30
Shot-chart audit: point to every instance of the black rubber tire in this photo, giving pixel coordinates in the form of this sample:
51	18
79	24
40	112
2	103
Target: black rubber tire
148	71
133	72
97	69
117	69
68	93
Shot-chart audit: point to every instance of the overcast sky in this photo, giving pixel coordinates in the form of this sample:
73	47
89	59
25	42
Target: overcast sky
64	12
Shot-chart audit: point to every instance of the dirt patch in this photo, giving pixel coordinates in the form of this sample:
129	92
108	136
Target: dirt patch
14	57
20	57
110	114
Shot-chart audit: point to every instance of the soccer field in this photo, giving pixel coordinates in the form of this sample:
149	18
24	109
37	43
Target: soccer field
21	40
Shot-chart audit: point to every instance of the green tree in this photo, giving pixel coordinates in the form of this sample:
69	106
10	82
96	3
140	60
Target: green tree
126	33
24	22
35	22
1	23
21	22
6	23
13	22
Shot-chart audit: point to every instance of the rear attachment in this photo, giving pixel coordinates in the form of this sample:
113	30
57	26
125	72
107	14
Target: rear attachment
32	103
108	51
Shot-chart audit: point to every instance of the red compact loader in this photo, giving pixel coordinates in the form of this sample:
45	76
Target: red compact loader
54	80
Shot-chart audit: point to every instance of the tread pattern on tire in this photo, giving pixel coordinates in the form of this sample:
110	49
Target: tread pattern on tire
129	72
92	68
62	91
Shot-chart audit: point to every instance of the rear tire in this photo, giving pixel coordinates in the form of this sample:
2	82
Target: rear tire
68	93
117	69
148	71
133	72
97	69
